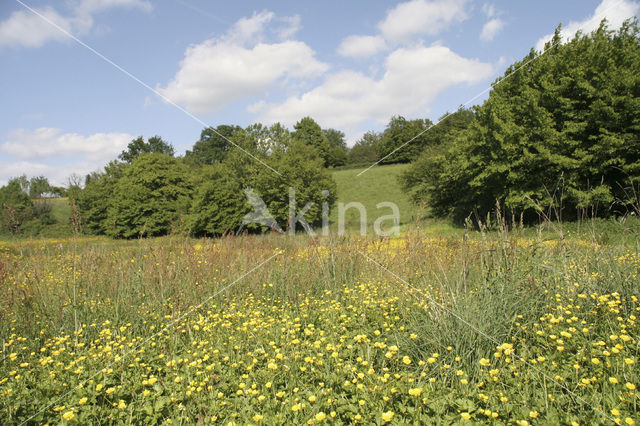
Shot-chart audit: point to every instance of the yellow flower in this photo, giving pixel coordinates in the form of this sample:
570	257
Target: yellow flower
629	421
630	386
465	416
629	361
320	416
485	362
615	412
388	416
68	416
122	405
613	380
258	417
406	360
415	391
99	387
533	414
82	401
596	361
110	390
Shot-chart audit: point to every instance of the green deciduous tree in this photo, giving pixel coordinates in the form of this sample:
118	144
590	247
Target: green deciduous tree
302	169
337	151
38	186
365	150
213	145
16	205
94	200
403	140
149	198
563	130
138	146
219	203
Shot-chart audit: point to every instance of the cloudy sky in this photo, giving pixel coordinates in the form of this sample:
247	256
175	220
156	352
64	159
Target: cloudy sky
81	78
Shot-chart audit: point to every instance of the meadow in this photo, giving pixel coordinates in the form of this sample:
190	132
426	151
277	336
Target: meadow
510	326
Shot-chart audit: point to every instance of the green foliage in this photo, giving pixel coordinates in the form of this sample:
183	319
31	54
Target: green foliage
365	151
16	206
403	140
218	204
562	130
97	196
149	198
337	152
38	186
301	169
213	145
139	146
329	143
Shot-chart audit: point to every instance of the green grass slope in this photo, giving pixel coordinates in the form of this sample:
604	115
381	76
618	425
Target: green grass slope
379	184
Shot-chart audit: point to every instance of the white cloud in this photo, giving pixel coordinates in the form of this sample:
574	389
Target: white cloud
292	24
346	99
56	174
493	25
48	142
49	152
239	64
250	30
615	11
418	17
491	28
25	28
358	46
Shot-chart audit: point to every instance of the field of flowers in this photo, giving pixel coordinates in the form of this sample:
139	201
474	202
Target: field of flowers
496	327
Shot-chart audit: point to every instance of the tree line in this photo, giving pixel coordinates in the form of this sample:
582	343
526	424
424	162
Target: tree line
559	135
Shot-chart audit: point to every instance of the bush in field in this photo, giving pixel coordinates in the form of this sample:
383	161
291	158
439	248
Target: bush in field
17	207
365	150
94	200
218	204
149	198
156	193
302	169
561	130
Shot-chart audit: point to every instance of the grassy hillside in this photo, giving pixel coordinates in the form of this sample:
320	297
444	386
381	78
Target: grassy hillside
60	212
377	185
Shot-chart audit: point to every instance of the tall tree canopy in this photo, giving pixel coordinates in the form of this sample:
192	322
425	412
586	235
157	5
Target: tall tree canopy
138	146
213	145
16	206
365	150
562	129
38	186
337	151
403	140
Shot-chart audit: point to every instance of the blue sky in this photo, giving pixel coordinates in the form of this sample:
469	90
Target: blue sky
349	65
